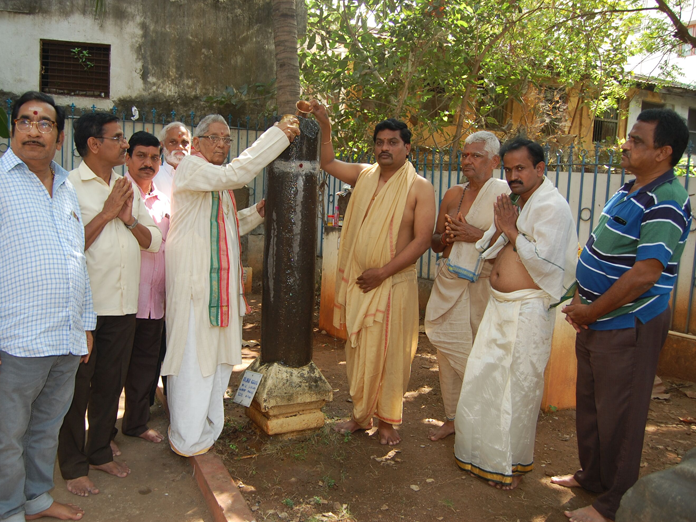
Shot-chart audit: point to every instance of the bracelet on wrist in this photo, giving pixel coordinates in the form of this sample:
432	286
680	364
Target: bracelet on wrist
133	224
443	240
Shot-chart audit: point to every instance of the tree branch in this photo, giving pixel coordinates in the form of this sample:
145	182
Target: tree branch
681	32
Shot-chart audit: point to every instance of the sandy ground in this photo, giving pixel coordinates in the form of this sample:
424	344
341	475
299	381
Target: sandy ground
160	487
326	476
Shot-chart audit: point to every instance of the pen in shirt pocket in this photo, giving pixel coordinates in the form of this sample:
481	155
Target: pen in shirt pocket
619	220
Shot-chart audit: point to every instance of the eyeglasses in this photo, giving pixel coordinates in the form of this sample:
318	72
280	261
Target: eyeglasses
43	126
123	138
218	139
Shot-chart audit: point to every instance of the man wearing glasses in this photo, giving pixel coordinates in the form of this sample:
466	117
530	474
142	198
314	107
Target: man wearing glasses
117	226
45	310
205	295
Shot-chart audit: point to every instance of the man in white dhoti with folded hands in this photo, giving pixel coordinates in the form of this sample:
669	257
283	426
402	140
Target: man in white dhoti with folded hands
460	293
535	245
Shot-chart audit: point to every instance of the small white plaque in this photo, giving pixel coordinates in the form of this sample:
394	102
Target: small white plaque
247	388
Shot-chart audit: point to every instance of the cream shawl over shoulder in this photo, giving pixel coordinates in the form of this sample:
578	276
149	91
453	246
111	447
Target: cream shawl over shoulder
368	241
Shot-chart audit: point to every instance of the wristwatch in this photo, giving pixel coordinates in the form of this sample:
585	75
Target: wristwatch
133	224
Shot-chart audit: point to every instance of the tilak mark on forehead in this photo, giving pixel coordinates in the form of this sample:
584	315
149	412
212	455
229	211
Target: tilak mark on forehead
36	112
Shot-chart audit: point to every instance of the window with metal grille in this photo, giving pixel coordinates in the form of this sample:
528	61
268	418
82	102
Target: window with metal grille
606	127
75	68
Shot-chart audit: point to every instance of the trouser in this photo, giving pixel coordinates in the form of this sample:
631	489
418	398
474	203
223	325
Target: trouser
160	360
97	390
35	394
142	375
616	369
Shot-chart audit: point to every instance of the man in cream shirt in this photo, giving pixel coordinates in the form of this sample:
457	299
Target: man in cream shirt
205	295
117	226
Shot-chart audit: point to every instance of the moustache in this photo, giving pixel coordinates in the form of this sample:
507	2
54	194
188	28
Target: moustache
147	169
33	142
511	183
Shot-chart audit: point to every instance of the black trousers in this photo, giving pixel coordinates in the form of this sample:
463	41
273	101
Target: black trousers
616	370
162	353
143	371
97	390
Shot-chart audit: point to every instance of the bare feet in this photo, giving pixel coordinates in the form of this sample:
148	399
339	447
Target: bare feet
349	426
567	481
82	487
445	430
114	449
387	434
586	514
60	511
152	435
516	479
118	469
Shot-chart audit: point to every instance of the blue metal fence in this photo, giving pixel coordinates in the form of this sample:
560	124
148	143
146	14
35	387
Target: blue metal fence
587	179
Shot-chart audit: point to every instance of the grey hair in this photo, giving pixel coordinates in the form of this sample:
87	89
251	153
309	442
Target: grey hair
163	133
492	144
206	122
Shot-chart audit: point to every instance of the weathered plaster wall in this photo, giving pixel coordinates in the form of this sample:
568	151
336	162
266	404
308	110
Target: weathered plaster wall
167	54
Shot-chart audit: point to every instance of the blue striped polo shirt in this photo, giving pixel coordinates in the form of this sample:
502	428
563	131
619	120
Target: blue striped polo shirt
650	223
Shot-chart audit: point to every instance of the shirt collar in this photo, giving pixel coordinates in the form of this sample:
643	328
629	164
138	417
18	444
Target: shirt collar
86	174
664	178
153	192
10	160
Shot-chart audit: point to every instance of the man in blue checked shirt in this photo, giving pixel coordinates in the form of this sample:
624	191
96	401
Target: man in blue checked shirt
46	312
621	312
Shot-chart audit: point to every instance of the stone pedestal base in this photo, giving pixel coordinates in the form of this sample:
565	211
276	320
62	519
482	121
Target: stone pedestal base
289	399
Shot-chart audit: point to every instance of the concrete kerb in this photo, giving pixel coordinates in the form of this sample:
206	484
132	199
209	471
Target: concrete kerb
225	501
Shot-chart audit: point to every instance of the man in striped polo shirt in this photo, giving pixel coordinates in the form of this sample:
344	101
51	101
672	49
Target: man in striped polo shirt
621	310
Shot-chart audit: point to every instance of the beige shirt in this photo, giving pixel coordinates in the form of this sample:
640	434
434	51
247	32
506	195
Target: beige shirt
113	260
189	250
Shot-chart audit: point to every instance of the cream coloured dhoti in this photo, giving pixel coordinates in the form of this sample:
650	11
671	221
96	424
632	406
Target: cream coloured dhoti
503	385
453	332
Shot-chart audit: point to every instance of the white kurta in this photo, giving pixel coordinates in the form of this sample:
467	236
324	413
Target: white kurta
188	252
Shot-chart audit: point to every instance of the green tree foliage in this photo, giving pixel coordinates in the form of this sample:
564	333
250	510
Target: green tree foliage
446	63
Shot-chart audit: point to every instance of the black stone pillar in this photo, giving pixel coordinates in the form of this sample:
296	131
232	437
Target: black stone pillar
290	251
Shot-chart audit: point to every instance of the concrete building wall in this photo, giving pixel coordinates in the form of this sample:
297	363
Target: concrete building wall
165	54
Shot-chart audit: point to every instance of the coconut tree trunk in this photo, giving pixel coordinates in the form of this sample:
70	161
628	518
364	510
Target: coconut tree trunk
287	62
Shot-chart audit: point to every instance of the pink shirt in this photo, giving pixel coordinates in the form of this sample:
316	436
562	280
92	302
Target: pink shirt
152	280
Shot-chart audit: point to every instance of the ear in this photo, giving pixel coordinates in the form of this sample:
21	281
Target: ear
93	144
408	148
59	141
196	142
664	154
541	166
496	161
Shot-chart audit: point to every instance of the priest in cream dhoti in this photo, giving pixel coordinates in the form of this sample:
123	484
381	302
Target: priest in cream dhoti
205	294
535	247
460	292
387	227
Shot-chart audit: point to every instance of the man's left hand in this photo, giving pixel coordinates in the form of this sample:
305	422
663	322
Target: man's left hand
126	214
457	229
370	279
506	213
90	345
261	208
579	314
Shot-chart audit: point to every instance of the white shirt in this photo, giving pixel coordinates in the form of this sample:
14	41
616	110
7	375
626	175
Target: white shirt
113	260
164	180
189	249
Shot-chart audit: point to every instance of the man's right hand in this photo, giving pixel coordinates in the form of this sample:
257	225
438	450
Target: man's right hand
120	193
290	129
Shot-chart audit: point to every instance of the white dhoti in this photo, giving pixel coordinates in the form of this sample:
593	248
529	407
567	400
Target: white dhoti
503	385
196	402
453	331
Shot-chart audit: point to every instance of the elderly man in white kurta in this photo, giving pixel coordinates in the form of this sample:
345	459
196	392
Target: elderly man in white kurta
205	295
